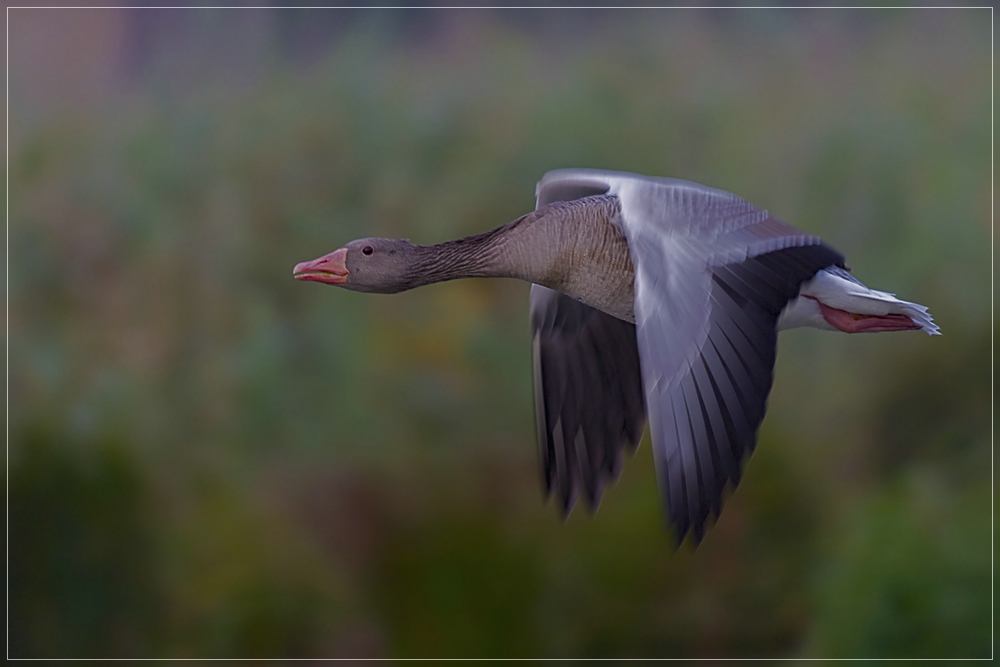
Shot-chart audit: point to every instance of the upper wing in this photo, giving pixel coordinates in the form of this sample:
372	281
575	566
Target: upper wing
713	274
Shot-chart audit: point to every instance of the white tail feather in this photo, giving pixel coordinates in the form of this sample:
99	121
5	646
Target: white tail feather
839	289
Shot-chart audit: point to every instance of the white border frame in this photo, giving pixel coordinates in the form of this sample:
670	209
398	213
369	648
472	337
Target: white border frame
992	304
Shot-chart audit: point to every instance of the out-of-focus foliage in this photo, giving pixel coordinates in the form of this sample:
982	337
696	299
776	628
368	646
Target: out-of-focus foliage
208	459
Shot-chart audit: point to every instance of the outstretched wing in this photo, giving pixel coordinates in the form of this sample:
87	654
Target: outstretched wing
704	415
588	394
713	274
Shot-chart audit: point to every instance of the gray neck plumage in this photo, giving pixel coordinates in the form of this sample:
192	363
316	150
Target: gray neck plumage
537	247
476	256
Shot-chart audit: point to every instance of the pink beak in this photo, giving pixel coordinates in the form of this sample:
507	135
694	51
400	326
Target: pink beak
330	269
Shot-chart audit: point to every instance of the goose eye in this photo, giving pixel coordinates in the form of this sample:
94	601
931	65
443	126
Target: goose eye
367	250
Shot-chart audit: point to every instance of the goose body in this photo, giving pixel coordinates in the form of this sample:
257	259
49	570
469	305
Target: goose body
651	298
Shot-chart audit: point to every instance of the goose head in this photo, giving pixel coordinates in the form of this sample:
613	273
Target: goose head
385	266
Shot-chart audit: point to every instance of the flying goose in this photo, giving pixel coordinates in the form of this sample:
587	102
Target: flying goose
650	296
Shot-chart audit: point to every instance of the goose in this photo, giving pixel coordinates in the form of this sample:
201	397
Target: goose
651	298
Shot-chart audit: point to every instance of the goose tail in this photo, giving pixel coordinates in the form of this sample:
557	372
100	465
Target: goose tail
836	288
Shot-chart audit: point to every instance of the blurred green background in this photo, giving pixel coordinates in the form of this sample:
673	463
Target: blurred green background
209	459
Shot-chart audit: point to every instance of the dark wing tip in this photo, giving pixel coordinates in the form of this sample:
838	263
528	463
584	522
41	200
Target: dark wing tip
589	402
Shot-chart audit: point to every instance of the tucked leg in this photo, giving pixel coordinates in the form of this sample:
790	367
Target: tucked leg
859	323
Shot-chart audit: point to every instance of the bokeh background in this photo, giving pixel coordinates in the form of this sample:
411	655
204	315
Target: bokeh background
209	459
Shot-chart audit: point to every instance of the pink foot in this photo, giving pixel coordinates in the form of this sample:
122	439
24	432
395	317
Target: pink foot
857	323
